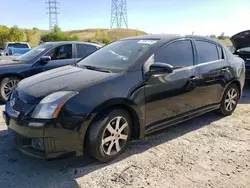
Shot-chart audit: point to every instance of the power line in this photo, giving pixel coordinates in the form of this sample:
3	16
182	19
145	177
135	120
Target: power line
53	12
119	17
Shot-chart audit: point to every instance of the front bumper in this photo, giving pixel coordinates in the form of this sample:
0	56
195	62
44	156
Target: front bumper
57	142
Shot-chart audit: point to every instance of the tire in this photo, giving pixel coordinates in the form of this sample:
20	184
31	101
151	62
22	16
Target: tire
103	137
231	96
10	82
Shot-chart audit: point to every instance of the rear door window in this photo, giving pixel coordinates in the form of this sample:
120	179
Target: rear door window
206	51
178	54
84	50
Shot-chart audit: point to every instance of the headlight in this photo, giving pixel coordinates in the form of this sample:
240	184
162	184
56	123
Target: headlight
50	106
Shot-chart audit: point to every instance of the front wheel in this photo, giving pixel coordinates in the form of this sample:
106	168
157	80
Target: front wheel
7	85
229	100
109	135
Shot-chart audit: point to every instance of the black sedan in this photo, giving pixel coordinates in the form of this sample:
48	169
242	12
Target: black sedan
44	57
123	91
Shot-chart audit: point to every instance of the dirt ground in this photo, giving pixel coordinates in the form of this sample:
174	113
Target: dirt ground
209	151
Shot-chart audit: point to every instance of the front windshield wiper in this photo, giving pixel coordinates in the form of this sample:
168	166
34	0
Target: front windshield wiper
97	69
15	60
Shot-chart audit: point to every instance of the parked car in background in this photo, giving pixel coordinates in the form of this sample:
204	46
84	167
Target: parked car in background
16	48
241	42
124	91
44	57
1	52
18	51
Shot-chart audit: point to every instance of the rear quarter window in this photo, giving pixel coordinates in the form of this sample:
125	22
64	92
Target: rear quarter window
220	52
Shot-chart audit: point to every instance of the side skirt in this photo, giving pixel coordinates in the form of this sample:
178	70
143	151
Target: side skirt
180	118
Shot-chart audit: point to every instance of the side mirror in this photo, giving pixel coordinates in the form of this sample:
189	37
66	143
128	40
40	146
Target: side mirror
45	59
160	68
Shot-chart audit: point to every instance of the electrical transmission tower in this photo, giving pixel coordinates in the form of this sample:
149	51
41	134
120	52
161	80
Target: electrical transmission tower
53	12
119	16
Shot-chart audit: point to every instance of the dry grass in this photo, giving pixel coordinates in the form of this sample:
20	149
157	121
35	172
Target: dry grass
113	34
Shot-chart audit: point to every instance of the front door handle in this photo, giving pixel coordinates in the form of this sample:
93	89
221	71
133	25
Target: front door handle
225	69
193	78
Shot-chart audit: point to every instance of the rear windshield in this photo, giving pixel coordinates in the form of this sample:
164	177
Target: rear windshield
18	45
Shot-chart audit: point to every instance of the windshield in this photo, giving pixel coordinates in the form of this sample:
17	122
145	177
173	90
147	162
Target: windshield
118	55
35	52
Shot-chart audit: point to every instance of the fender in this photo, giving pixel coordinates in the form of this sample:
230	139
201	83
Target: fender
112	103
237	83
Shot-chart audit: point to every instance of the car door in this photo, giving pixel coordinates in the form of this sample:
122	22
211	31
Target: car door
170	95
214	71
83	50
60	56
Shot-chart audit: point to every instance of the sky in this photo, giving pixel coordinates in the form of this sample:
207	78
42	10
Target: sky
203	17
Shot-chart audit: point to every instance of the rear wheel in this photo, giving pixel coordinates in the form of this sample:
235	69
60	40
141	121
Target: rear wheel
230	100
7	85
109	135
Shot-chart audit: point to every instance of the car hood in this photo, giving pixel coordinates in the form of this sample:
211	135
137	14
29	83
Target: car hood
67	78
9	61
241	40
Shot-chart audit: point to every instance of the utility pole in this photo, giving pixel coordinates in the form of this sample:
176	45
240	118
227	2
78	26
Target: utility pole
119	17
52	6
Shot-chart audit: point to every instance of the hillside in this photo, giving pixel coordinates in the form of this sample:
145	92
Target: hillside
226	42
113	34
84	35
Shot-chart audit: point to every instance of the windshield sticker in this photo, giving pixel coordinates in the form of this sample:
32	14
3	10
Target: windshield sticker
147	42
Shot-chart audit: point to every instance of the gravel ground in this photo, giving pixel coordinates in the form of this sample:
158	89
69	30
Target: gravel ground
209	151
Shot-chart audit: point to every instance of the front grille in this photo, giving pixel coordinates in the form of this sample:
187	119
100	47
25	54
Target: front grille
18	106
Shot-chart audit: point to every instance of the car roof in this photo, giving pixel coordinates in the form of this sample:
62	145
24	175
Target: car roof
71	42
168	37
16	43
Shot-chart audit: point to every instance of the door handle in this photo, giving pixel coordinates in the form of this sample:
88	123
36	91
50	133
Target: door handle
225	69
193	78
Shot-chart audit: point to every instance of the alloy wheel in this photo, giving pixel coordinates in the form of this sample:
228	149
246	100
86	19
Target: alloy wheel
115	136
231	99
9	86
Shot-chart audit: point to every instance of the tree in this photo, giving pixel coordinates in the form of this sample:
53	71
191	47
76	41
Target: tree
57	29
213	36
28	35
4	35
58	35
222	36
35	30
105	39
15	34
97	34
